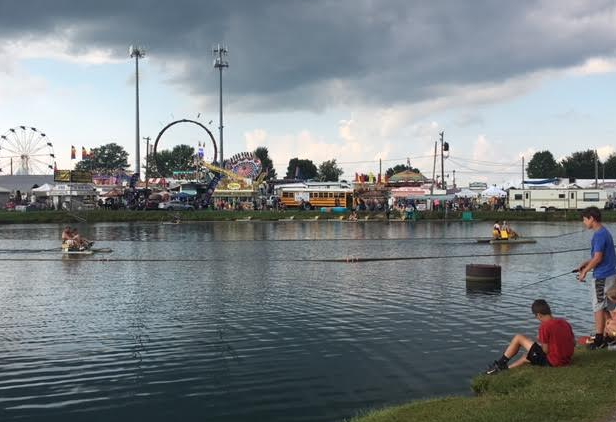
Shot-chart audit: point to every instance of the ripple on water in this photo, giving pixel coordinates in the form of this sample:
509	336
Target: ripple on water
255	325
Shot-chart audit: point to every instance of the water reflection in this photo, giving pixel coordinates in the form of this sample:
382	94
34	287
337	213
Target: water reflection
482	288
253	320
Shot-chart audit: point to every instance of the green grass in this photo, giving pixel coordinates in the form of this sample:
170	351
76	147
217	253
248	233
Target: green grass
584	391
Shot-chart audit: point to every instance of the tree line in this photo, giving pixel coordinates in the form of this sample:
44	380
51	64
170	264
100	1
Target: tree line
110	158
579	165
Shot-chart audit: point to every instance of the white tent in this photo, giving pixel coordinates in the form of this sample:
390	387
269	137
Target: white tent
466	193
493	191
44	189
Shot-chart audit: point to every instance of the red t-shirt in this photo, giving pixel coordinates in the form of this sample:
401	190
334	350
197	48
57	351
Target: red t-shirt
558	335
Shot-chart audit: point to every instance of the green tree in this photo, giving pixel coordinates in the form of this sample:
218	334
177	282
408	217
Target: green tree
106	159
266	162
398	168
543	166
609	167
180	158
304	169
580	165
329	171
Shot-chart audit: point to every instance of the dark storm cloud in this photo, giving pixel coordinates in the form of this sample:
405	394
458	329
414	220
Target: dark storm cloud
291	54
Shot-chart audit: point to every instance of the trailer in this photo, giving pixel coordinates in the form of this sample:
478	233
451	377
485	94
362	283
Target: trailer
556	199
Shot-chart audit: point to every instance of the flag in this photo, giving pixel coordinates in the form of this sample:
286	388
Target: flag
84	153
73	152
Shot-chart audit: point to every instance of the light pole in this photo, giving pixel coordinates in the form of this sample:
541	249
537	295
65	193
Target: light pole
444	148
220	63
147	155
137	53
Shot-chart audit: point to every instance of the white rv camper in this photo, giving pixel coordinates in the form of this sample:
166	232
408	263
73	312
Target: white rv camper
556	199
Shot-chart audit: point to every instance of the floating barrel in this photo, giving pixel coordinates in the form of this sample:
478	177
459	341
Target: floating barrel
483	273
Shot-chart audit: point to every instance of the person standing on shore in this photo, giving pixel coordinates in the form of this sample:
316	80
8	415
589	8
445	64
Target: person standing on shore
602	263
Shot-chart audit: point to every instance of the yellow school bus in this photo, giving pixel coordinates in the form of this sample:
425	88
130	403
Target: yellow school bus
317	195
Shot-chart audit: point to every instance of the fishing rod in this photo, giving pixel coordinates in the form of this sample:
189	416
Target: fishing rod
550	278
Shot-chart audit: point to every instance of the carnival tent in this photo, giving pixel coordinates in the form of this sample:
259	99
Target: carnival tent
493	191
466	193
43	190
407	176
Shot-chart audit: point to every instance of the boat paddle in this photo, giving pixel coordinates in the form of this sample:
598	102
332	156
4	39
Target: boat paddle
550	278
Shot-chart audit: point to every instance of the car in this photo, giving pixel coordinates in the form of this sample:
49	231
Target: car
176	206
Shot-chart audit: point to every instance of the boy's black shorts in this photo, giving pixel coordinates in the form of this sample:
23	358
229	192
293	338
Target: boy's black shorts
536	356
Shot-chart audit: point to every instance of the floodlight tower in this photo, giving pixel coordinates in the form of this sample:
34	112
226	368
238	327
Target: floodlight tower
137	53
220	52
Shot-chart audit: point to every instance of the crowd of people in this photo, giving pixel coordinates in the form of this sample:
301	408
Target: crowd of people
556	342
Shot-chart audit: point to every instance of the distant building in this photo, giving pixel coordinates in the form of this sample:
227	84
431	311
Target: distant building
24	183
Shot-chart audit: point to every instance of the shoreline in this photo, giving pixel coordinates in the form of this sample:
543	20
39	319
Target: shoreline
100	216
581	392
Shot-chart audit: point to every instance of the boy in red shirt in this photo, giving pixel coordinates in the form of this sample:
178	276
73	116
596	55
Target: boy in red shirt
554	346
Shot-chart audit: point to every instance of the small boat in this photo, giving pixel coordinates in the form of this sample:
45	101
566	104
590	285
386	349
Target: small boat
512	241
507	241
70	250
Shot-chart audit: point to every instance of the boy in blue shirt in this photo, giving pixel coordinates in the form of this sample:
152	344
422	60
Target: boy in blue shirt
603	265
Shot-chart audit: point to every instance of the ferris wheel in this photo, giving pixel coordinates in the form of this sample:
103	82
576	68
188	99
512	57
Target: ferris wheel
26	151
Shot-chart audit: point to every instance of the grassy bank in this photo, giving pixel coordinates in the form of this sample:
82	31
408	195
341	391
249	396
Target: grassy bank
583	392
12	217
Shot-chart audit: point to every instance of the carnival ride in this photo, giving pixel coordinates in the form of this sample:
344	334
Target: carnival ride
239	168
24	150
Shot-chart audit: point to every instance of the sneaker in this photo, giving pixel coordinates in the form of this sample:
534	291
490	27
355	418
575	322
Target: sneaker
595	346
495	368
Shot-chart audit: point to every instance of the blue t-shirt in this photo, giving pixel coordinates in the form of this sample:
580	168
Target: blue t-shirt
602	241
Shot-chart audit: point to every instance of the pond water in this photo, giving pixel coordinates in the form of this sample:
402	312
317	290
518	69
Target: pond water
240	321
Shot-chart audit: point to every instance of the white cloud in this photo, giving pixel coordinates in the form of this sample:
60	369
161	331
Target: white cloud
605	151
595	66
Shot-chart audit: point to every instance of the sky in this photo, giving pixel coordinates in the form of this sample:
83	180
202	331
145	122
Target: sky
368	83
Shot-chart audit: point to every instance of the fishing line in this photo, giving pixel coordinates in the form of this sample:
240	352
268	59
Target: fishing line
549	278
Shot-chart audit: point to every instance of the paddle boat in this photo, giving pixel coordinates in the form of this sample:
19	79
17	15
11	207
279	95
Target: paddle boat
84	250
507	241
75	250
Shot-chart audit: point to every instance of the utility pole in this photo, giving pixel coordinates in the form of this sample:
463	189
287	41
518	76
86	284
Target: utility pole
433	171
147	155
220	64
596	169
443	186
522	172
137	53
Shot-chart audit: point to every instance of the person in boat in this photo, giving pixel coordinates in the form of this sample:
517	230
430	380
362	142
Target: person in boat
68	238
511	234
504	233
496	231
554	347
73	239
